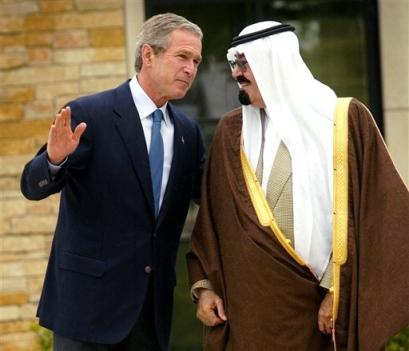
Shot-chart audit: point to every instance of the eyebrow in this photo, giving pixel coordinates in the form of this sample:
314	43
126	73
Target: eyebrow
190	54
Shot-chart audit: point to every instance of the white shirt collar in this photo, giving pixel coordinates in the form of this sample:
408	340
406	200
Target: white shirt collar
143	102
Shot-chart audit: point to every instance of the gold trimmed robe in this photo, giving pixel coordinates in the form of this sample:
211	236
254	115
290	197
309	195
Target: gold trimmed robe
271	301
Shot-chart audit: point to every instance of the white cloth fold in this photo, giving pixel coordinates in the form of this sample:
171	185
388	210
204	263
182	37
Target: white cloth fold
300	113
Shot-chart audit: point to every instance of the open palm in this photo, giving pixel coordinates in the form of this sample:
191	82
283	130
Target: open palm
62	141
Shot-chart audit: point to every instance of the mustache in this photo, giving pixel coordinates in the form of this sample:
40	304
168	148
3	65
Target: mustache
242	79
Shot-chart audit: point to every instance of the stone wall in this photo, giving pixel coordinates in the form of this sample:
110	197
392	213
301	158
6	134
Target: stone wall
50	52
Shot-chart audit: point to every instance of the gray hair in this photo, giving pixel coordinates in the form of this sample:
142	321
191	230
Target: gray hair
156	30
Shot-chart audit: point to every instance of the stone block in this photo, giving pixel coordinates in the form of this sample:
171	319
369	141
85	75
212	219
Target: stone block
13	298
10	194
23	341
33	38
9	313
18	8
4	224
12	39
16	257
44	207
56	5
39	22
39	109
38	56
13	165
18	146
33	224
49	91
97	5
22	243
99	84
71	39
10	284
10	112
107	37
25	129
103	69
35	286
10	208
12	60
109	54
11	24
30	75
23	269
17	94
88	55
9	182
77	55
28	311
90	19
14	327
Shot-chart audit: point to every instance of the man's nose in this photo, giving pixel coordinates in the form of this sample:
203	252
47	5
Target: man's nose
190	67
235	72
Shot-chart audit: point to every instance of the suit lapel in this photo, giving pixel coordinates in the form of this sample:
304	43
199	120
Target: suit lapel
130	129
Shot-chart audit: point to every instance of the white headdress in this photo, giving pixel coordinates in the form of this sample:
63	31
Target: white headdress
300	114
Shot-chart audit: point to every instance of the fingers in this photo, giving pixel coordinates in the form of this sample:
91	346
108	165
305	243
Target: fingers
63	118
325	323
220	309
79	130
210	309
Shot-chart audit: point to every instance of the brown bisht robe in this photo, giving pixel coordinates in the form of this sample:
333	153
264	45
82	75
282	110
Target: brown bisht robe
271	301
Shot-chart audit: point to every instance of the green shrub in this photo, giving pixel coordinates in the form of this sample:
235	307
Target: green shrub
399	342
44	337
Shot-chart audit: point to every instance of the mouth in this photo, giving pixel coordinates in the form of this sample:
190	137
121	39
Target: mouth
242	81
183	82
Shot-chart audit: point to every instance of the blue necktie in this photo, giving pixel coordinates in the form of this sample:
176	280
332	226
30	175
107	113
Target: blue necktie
156	157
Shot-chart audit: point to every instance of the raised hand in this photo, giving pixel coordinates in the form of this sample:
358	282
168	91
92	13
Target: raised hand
62	141
210	308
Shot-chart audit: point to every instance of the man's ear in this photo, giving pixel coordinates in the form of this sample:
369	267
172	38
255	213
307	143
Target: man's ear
146	54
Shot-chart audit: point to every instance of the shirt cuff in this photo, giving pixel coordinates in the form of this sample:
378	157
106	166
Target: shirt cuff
54	169
201	284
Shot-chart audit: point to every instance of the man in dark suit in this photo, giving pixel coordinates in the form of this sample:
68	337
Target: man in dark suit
127	164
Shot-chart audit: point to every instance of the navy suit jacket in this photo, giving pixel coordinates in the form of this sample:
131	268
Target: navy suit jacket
107	238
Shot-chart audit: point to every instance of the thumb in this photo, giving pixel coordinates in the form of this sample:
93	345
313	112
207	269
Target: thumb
220	309
79	130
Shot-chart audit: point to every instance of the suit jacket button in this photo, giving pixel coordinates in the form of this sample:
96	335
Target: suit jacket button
148	269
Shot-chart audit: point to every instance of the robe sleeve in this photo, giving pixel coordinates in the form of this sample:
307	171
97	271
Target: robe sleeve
375	279
203	259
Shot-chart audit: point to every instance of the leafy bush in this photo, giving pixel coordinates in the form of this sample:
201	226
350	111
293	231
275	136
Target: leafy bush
44	337
399	342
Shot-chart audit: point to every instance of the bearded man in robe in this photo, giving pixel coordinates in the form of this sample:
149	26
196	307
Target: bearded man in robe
301	242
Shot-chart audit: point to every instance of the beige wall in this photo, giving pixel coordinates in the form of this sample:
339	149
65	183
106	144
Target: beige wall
394	33
50	52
